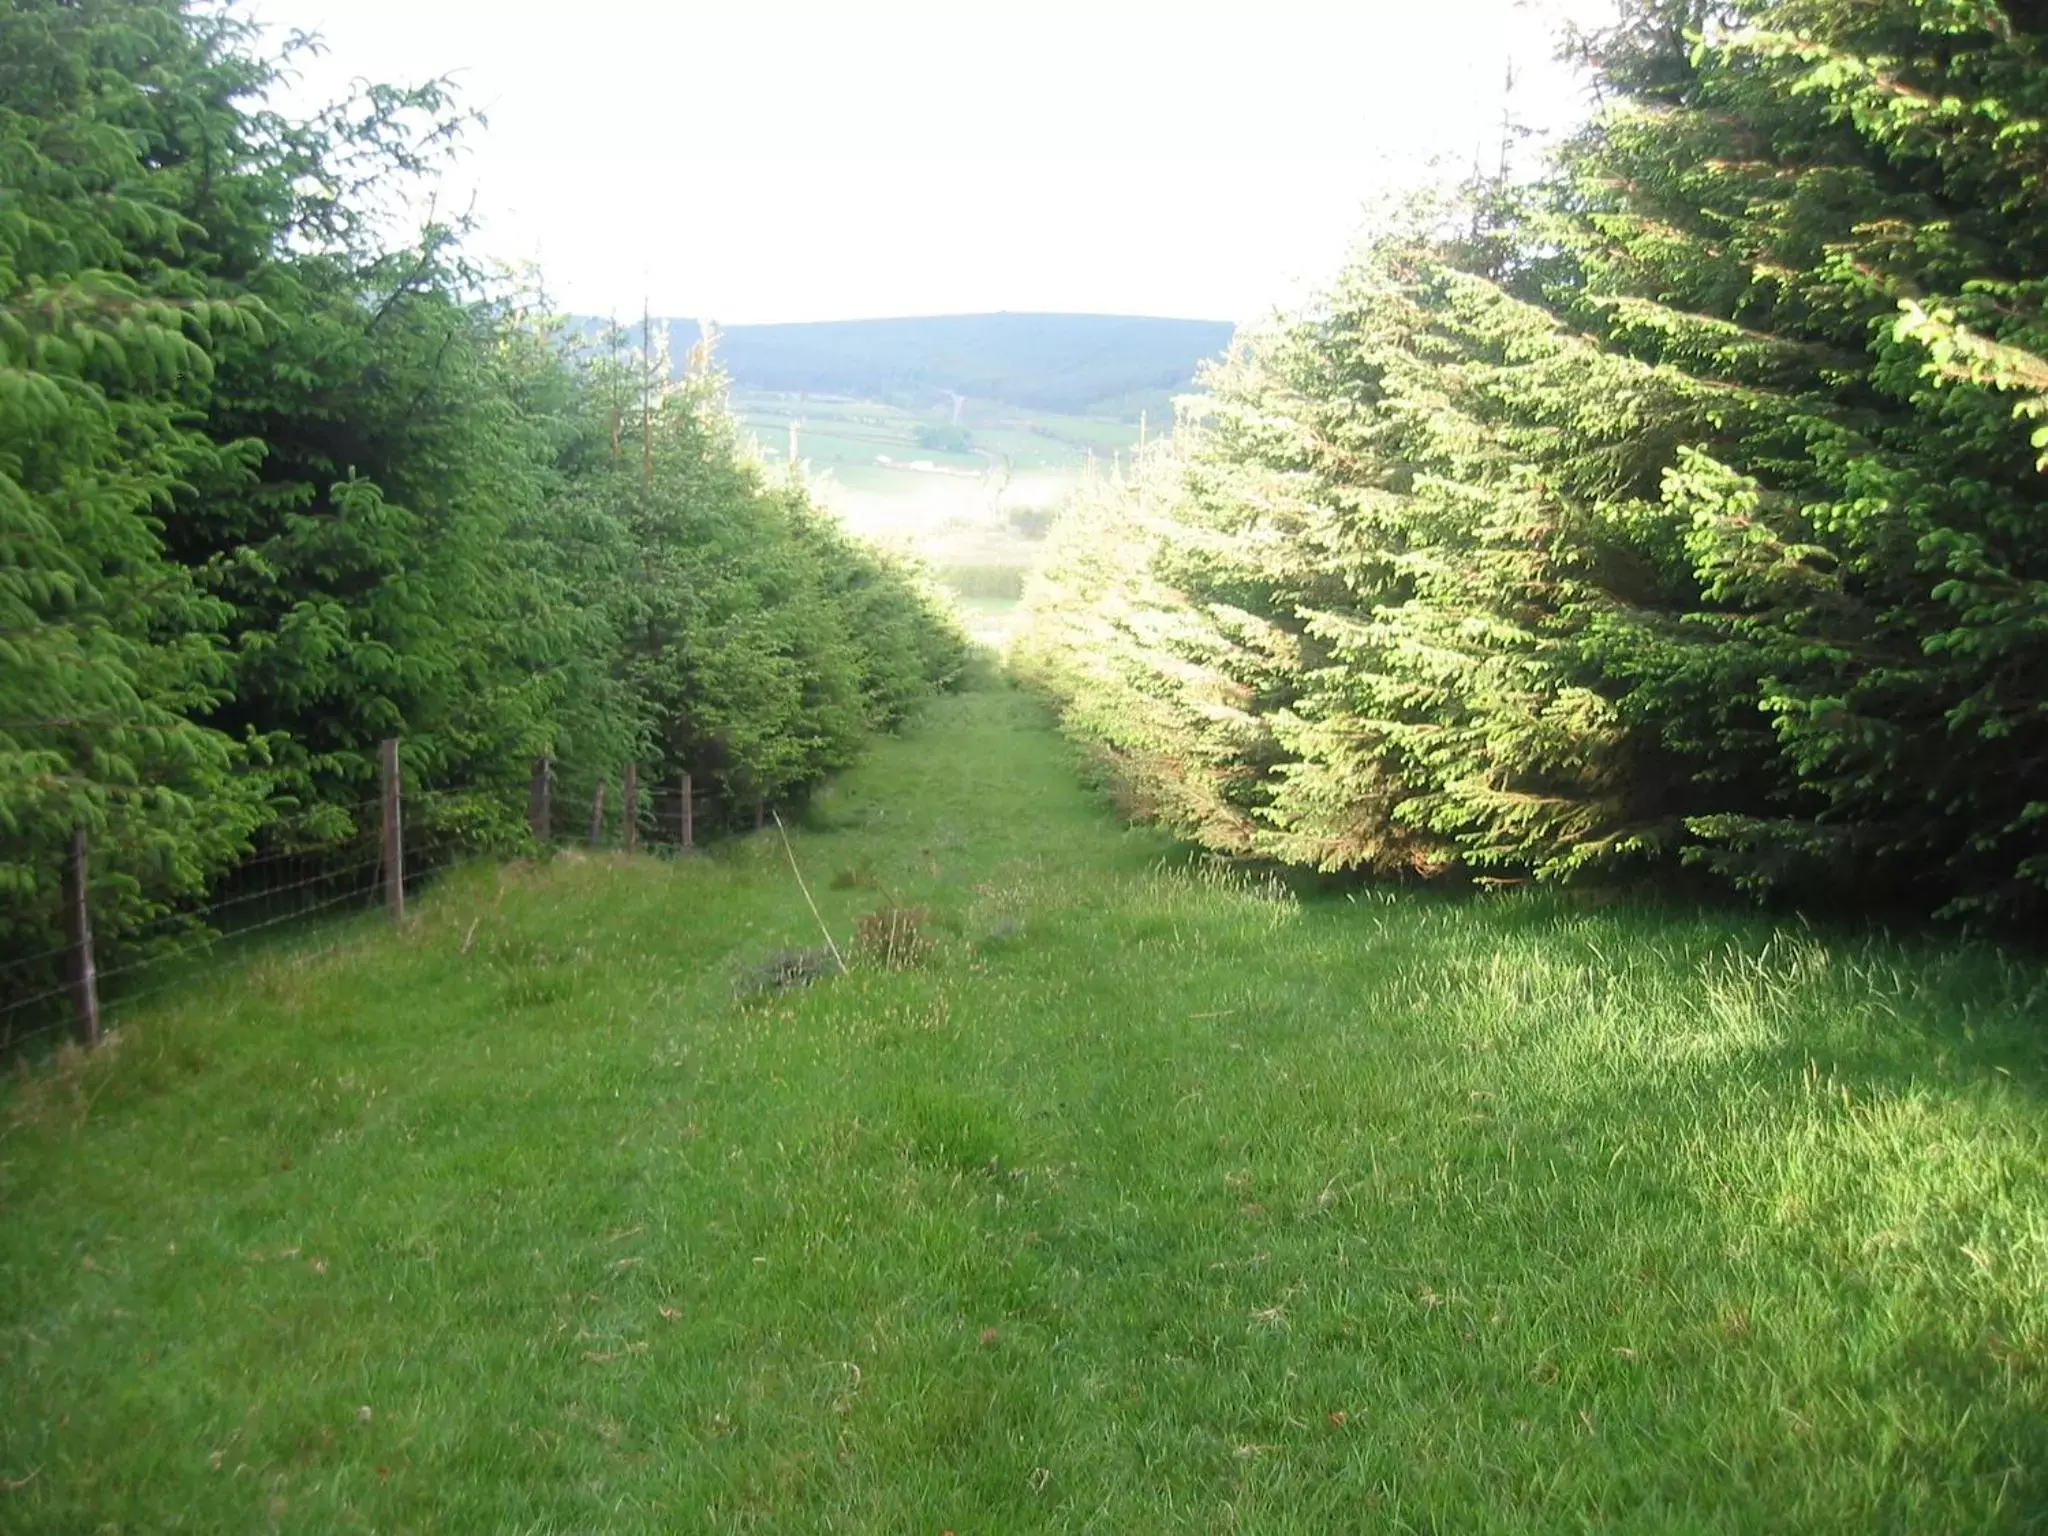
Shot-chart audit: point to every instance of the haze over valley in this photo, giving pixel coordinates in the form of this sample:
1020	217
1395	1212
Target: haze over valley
957	437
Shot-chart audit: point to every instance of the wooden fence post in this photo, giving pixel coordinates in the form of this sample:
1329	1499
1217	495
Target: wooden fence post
539	812
630	793
760	813
597	815
689	815
394	839
84	975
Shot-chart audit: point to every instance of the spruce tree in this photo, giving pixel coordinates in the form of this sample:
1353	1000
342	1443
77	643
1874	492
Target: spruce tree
278	480
1683	508
110	650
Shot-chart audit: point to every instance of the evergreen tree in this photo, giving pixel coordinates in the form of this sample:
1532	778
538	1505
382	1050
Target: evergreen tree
758	644
275	485
1834	212
1672	510
110	650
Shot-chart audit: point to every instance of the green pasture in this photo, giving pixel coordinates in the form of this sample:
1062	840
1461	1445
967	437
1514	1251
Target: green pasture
1137	1194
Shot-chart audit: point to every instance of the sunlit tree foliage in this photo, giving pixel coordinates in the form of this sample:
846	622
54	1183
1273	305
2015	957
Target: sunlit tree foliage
281	477
1685	508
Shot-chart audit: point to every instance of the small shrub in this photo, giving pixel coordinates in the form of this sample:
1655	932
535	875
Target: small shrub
1032	522
784	969
893	937
855	877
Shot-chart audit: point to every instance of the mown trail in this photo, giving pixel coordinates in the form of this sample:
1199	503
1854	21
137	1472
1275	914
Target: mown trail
1154	1200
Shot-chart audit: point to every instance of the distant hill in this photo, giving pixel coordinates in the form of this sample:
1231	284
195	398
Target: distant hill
1079	364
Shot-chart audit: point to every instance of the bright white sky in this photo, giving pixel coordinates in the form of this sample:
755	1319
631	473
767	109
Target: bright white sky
757	160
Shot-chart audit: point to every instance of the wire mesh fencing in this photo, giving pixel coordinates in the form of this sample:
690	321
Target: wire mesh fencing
332	861
633	813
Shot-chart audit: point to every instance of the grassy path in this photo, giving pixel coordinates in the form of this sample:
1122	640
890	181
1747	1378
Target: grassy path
1153	1202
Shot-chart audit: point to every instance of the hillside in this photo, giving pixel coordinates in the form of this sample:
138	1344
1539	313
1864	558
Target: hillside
1076	364
1153	1199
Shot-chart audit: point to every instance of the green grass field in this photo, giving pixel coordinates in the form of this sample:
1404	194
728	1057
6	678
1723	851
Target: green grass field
841	435
979	526
1157	1199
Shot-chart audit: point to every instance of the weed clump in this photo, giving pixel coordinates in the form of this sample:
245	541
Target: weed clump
855	877
894	937
782	970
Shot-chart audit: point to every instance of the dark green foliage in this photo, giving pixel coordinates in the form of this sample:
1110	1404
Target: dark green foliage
759	644
275	486
110	652
1674	511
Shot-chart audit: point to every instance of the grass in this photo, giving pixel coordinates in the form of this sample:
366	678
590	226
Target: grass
844	435
1153	1199
1001	583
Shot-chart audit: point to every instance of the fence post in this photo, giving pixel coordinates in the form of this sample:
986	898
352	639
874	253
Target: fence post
689	815
597	815
394	840
539	813
84	975
760	813
629	791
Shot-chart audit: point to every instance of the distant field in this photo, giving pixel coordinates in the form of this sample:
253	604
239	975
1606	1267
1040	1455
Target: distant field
913	430
975	516
1102	365
1105	366
838	433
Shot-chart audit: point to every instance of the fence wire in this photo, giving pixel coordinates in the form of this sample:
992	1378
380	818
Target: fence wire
184	945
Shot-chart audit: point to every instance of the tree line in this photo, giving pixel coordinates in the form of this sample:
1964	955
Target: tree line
1679	509
280	478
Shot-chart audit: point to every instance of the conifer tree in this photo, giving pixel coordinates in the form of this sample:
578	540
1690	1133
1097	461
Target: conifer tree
278	481
110	650
1684	507
1833	212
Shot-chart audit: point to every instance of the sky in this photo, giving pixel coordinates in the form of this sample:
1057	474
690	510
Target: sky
773	160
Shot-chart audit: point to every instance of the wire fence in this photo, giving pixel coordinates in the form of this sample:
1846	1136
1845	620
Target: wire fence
662	819
333	861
